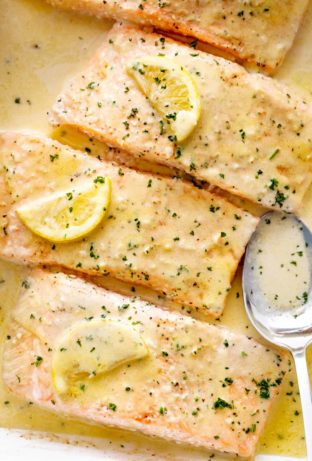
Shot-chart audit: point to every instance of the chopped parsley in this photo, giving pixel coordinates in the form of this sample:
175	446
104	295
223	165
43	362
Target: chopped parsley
221	404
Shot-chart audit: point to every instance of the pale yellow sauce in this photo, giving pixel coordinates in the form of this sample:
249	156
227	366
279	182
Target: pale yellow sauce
40	48
281	262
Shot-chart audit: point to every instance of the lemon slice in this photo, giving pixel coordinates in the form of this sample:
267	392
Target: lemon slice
171	91
90	348
68	214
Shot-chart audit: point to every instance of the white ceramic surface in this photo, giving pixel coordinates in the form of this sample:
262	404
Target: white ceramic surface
24	446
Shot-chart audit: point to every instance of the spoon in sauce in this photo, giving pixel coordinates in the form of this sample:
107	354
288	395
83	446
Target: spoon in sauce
277	286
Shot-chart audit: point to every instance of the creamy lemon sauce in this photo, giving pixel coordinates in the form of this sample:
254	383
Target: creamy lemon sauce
281	262
41	47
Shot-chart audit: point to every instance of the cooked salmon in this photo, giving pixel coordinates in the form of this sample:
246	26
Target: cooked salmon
259	33
200	384
161	233
253	138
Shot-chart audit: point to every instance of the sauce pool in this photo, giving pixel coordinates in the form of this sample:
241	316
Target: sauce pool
281	262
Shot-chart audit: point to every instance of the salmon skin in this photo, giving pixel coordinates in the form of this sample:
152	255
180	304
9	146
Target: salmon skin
257	33
162	233
253	138
201	384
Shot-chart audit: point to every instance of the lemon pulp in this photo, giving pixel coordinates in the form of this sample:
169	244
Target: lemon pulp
68	214
171	90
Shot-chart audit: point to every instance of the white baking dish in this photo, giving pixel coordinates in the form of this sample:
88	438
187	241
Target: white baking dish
23	446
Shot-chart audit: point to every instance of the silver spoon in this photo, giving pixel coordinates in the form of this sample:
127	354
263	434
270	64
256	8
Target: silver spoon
290	328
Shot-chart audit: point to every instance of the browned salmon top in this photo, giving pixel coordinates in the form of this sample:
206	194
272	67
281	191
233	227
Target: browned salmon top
162	233
198	384
259	32
253	137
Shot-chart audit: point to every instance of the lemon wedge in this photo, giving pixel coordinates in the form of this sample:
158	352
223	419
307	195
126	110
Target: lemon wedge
90	348
68	214
171	90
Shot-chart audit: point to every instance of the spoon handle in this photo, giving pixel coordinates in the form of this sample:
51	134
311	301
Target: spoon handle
305	395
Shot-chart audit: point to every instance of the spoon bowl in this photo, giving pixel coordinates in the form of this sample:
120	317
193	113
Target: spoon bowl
287	326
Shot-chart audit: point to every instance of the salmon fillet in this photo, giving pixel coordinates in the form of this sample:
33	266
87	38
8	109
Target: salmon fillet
162	233
259	33
201	384
253	138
